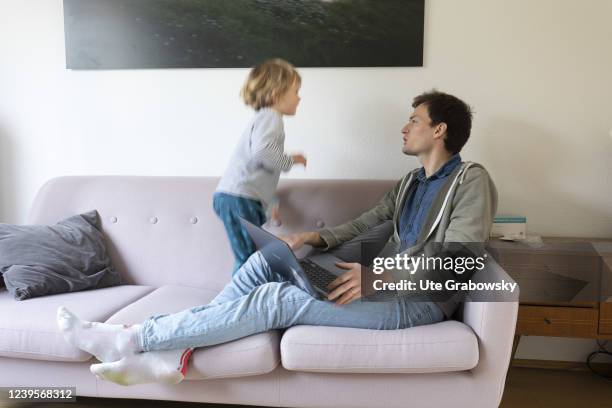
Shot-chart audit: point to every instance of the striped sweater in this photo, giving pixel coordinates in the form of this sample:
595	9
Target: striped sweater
258	159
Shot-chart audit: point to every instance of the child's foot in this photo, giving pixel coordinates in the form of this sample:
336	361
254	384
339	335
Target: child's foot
107	342
166	367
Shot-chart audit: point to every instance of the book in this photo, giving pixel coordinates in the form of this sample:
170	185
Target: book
509	227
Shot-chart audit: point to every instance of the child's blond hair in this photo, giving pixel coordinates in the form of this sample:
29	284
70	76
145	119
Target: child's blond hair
267	82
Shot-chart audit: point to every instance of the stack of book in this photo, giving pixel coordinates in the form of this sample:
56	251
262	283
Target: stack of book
509	227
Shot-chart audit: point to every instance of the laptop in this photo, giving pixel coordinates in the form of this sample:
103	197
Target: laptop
311	274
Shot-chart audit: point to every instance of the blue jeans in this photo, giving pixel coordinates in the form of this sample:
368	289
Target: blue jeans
257	300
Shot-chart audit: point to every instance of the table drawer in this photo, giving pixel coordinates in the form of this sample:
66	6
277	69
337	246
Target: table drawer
605	318
557	321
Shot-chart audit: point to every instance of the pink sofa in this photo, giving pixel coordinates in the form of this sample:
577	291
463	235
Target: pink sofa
172	251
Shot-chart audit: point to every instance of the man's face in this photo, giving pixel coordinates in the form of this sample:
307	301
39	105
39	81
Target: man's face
418	132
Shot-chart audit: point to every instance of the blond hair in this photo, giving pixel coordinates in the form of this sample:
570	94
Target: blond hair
267	82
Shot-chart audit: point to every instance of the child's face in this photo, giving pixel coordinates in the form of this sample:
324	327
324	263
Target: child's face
287	104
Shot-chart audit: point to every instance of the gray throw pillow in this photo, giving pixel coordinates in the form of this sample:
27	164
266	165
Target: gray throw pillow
70	256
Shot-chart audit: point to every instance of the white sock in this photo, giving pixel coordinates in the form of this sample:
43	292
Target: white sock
166	367
107	342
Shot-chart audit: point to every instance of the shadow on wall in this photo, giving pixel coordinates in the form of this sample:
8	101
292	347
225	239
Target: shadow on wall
7	192
535	175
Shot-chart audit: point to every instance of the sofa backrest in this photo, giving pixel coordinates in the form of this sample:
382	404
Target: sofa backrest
163	230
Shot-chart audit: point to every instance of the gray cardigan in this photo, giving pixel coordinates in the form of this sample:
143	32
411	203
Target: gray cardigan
463	212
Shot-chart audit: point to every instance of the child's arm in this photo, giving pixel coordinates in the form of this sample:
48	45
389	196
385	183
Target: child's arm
267	146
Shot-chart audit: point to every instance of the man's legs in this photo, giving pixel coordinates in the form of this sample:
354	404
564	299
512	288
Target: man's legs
256	300
276	305
169	339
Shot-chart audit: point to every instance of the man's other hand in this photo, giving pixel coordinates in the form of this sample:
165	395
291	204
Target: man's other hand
296	241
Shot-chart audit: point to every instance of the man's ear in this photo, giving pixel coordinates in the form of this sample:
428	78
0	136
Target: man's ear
440	130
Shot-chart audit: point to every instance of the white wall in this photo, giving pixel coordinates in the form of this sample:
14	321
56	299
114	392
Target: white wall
536	72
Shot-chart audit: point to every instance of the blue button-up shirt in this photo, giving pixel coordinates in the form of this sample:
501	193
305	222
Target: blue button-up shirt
416	207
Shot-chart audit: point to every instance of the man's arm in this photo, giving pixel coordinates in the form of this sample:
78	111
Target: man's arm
474	209
332	237
383	211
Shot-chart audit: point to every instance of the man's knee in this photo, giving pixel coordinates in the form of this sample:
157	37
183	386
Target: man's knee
256	261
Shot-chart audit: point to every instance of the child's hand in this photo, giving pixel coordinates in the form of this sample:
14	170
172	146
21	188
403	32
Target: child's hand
275	216
299	159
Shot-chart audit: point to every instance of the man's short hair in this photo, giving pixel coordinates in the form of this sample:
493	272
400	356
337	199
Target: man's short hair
445	108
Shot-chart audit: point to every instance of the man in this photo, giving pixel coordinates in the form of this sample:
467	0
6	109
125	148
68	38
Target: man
444	201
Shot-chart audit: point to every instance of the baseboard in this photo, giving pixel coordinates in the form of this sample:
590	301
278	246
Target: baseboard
560	365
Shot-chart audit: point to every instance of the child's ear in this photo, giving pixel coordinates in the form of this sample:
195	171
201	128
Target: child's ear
275	97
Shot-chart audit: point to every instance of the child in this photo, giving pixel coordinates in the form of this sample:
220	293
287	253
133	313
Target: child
247	189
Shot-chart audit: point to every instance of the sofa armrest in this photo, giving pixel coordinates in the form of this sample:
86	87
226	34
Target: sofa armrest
494	323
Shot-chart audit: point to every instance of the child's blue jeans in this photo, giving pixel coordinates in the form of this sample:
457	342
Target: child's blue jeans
229	208
258	299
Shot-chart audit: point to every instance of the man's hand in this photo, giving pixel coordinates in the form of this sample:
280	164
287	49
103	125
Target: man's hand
347	287
296	241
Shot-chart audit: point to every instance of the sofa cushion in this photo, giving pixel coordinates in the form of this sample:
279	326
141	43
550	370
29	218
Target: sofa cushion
28	328
440	347
252	355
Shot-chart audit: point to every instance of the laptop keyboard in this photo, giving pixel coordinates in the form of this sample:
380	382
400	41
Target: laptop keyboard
317	275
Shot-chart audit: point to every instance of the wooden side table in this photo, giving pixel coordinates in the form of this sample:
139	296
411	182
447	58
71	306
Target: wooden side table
565	286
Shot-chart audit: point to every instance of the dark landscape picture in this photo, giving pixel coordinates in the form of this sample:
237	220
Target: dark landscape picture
123	34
